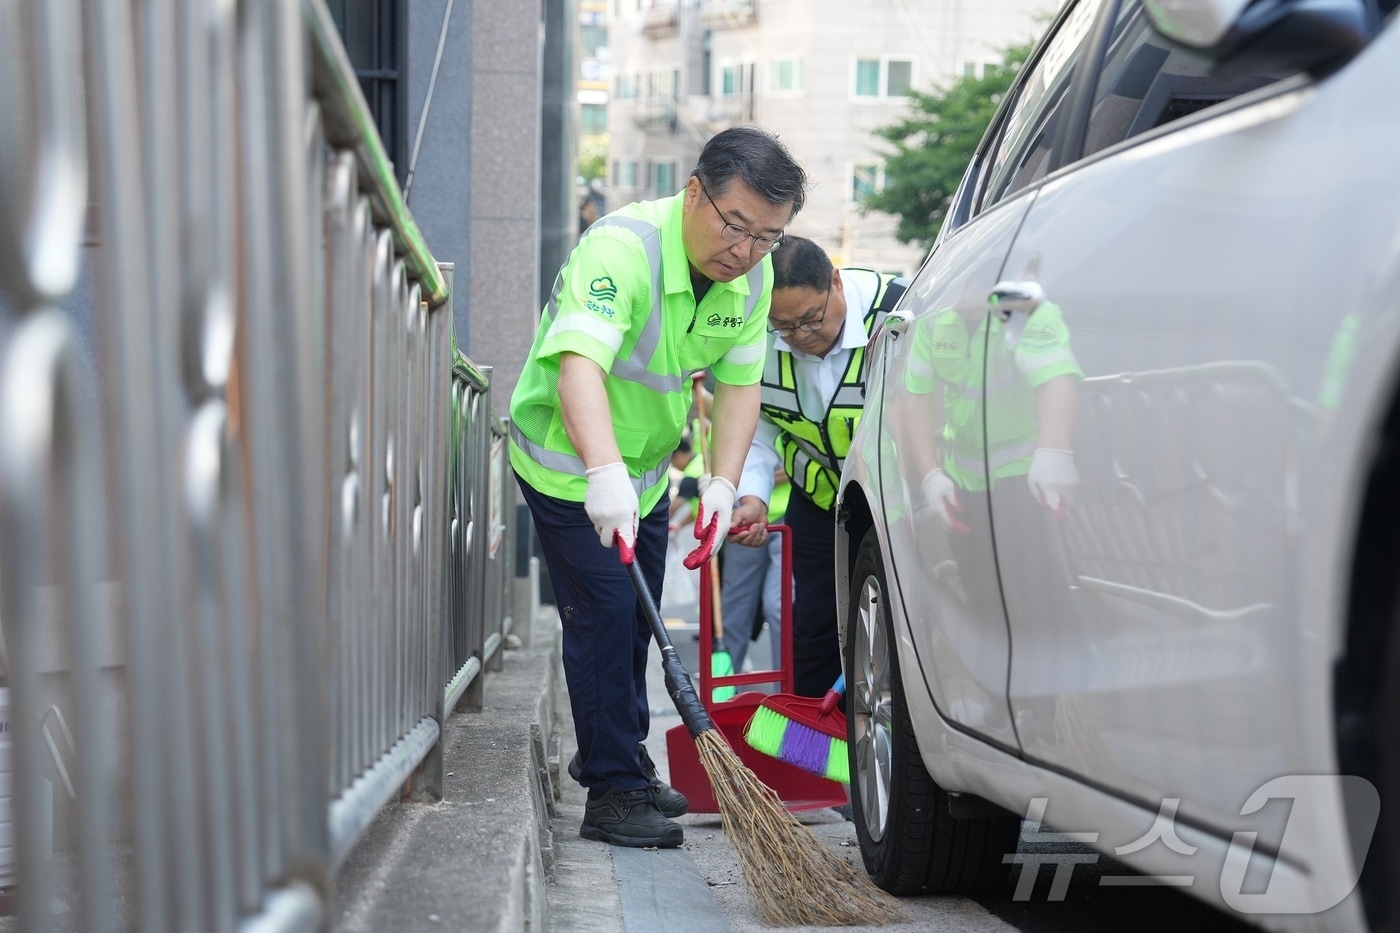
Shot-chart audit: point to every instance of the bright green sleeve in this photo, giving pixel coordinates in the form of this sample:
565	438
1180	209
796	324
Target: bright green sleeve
603	292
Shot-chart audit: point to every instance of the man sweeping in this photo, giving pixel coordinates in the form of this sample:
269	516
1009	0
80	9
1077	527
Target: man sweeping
652	293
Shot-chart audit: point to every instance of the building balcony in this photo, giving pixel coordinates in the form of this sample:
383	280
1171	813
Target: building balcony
655	115
728	111
728	14
660	23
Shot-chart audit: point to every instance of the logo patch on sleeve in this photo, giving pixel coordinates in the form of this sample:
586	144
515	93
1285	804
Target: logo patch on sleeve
603	288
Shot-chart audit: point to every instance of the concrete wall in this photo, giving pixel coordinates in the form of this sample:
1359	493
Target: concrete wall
439	192
476	181
558	141
503	287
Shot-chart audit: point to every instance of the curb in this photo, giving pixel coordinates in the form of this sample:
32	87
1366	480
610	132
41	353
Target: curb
481	858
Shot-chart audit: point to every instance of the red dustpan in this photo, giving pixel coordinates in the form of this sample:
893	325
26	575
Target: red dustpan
798	789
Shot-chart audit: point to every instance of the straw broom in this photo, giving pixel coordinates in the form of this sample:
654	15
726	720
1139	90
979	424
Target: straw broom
794	877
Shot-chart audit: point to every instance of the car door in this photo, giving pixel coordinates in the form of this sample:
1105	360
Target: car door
1146	550
931	461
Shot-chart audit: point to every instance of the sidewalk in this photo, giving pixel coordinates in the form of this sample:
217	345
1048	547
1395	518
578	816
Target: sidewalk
501	852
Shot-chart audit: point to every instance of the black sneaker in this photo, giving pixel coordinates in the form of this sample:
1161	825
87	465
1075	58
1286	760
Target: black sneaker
629	818
668	800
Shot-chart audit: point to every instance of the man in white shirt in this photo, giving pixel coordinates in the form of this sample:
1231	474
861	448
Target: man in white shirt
813	394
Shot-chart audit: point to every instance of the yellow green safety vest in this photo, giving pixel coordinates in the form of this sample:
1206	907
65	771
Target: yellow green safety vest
813	451
624	300
778	503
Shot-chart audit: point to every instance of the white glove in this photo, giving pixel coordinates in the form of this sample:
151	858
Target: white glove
942	495
611	503
1053	477
712	524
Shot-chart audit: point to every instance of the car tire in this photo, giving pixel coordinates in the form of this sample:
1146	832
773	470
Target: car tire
909	840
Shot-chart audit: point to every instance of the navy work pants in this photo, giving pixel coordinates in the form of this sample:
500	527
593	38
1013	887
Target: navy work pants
816	651
606	635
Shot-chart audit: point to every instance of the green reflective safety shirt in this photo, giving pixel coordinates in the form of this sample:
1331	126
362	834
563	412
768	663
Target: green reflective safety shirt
778	503
624	300
694	469
813	449
944	352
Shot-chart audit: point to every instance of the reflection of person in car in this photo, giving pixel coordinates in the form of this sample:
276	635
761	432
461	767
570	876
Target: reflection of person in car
1026	401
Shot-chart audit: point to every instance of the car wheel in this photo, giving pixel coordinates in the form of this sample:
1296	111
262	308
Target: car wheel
909	841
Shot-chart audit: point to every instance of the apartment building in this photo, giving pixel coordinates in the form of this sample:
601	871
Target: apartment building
823	74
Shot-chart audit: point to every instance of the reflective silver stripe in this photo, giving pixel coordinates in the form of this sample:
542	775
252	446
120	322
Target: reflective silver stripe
629	371
745	356
573	466
773	369
1028	362
1003	456
831	462
848	396
600	331
650	339
801	461
651	477
755	277
551	307
550	459
920	367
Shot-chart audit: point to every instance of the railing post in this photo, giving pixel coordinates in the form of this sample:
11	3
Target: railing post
426	783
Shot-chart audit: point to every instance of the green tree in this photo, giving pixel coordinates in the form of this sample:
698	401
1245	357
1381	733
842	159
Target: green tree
933	144
593	157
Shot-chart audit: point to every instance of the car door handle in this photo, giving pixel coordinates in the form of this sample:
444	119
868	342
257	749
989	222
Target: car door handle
1007	298
897	322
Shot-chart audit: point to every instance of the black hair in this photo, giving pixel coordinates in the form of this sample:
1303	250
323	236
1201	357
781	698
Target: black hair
758	159
800	262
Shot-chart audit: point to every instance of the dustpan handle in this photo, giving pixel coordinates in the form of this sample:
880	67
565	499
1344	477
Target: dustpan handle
678	683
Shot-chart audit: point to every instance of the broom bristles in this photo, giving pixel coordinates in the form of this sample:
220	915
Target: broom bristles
794	876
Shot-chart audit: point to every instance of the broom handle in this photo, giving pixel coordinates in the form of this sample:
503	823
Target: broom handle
716	612
678	683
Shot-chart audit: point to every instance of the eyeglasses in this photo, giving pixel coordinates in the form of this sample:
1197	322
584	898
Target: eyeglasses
806	327
733	233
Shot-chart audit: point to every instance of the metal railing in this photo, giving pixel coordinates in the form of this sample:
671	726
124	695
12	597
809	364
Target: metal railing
255	530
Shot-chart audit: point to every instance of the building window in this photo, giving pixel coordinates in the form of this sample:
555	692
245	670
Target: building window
594	119
976	68
884	77
665	174
372	31
627	87
867	77
736	80
899	77
663	84
866	179
625	173
787	75
594	36
729	81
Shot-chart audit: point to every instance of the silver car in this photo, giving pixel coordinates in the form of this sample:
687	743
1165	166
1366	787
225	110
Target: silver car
1122	519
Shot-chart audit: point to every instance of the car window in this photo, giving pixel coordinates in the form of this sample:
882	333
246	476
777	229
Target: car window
1147	82
1022	154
